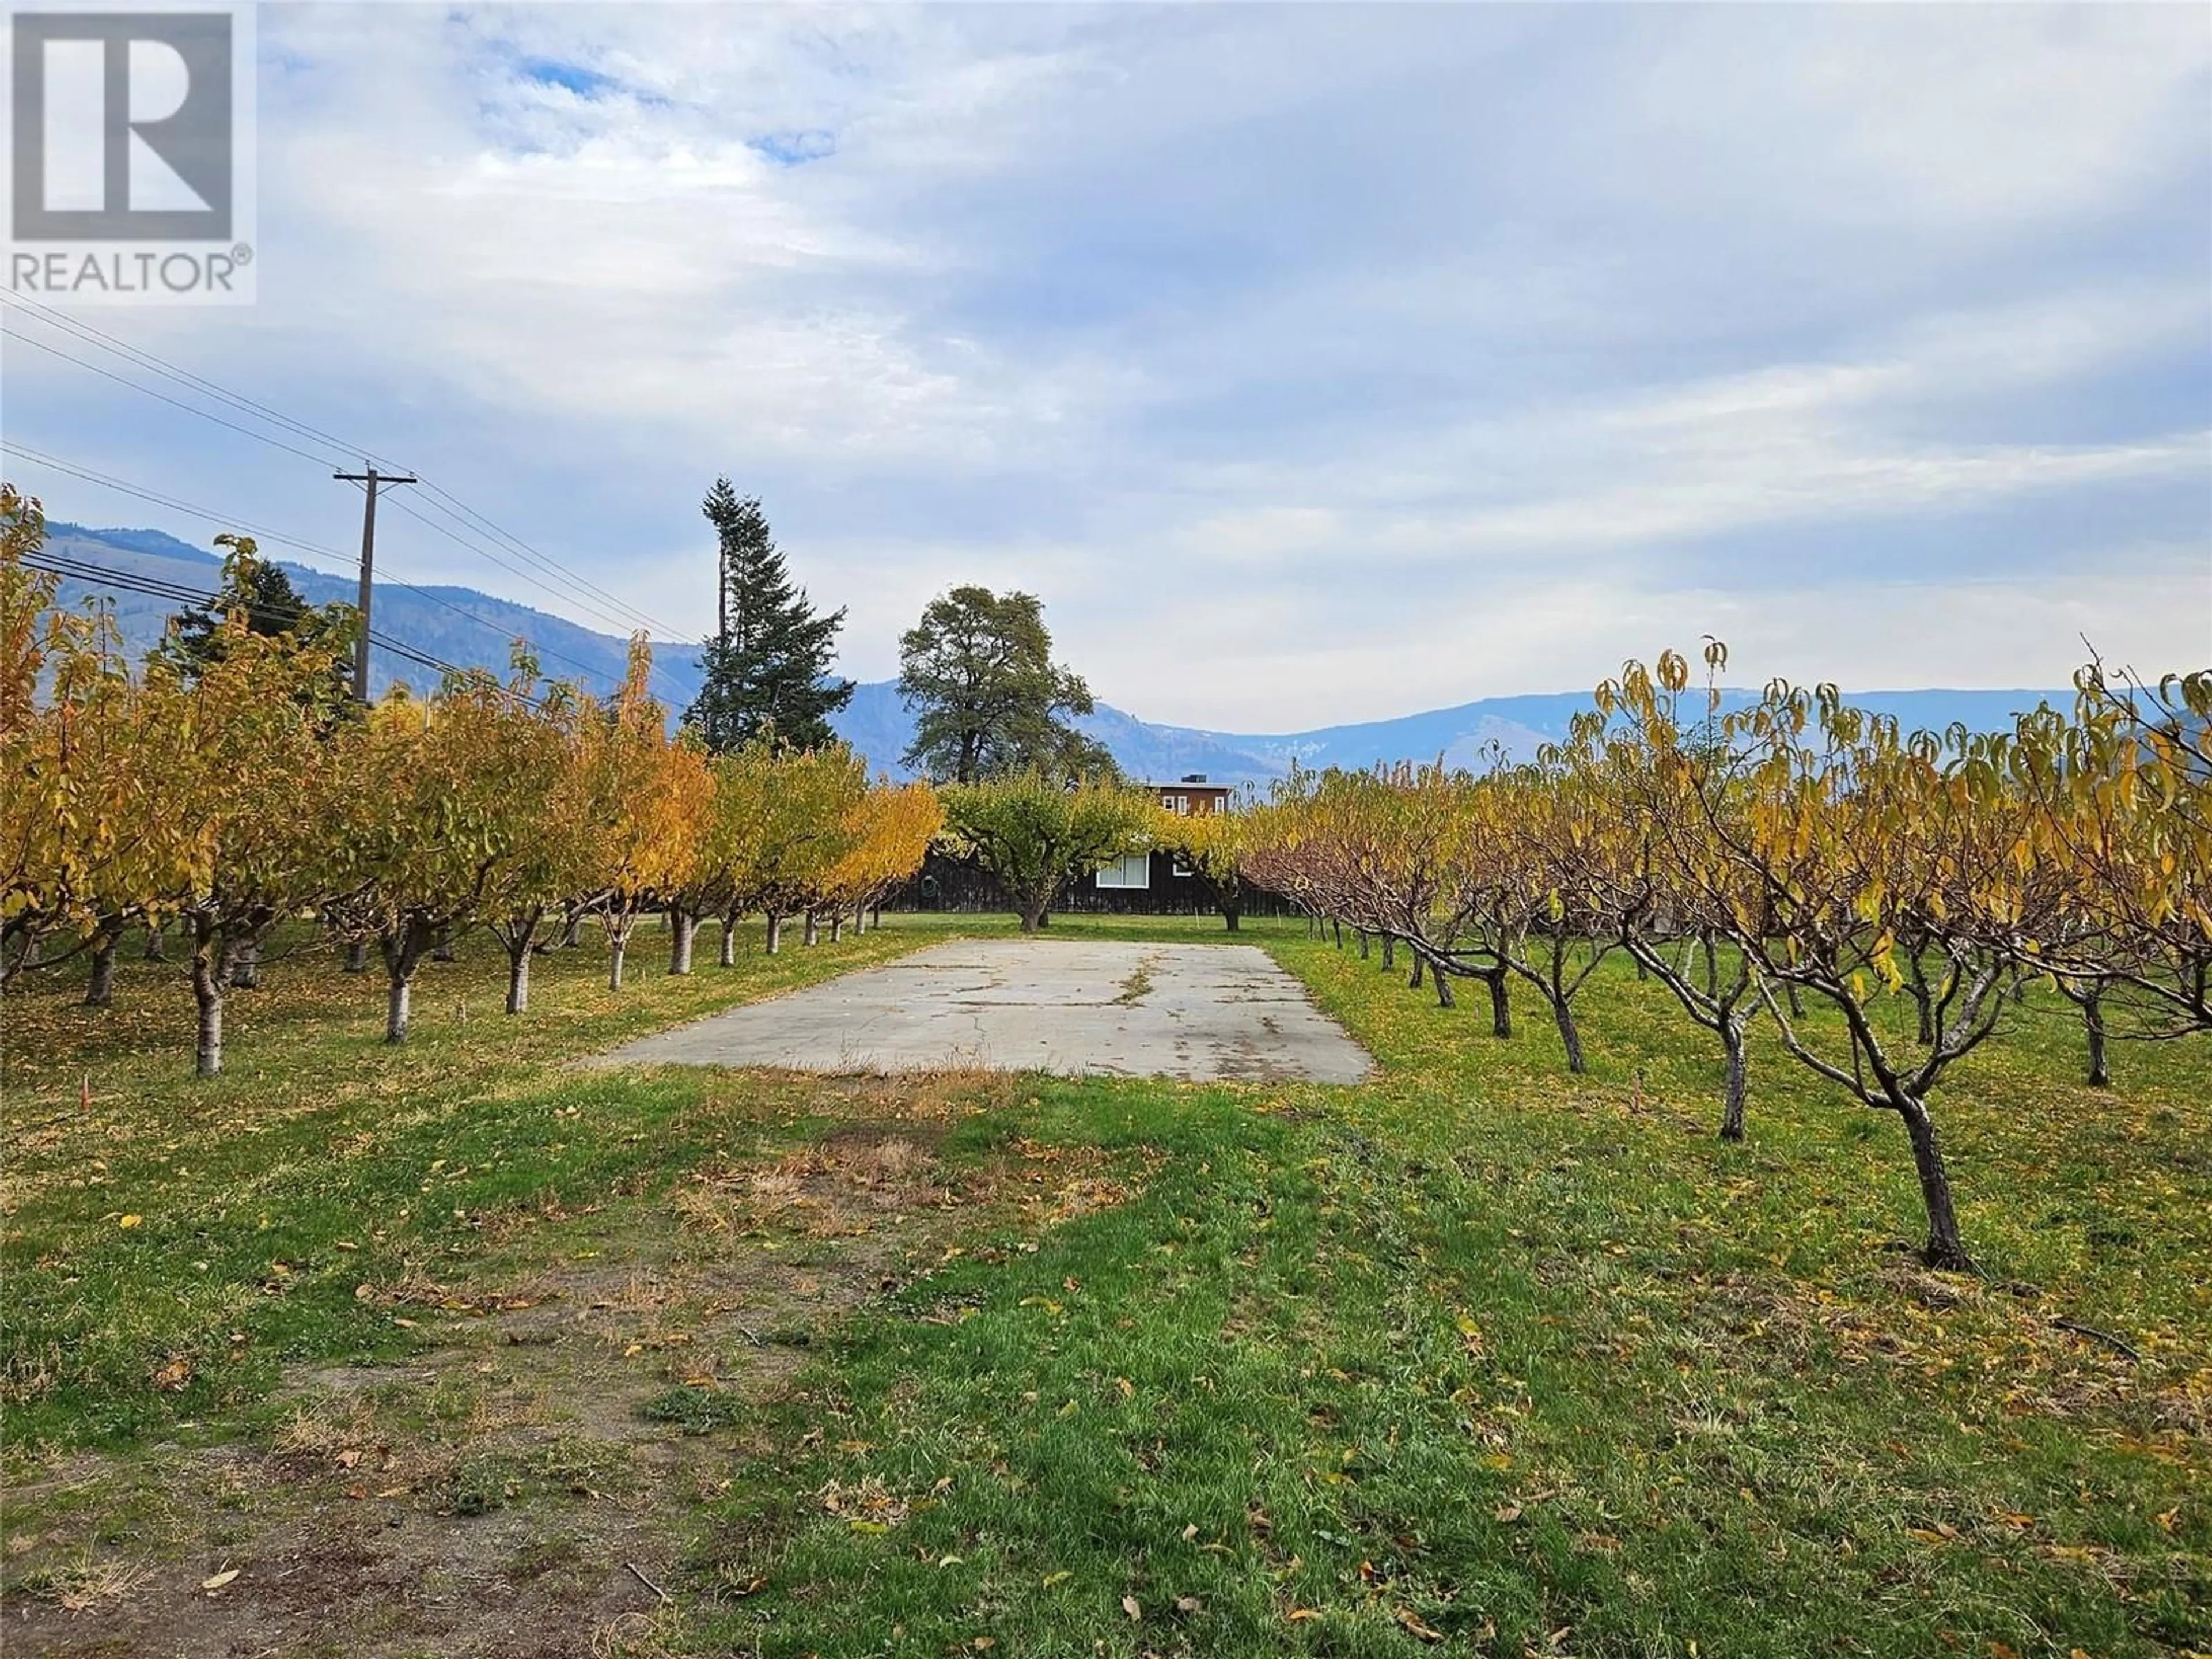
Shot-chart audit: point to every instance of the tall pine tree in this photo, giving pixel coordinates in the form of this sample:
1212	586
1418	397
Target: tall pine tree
766	670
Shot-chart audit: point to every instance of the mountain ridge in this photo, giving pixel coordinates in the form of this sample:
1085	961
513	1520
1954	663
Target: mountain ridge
471	628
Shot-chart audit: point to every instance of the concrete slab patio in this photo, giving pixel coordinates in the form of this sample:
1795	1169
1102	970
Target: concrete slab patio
1203	1012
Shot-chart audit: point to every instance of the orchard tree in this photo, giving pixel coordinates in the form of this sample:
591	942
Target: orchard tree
1856	836
1212	844
766	672
650	797
1033	831
988	700
1677	896
804	832
538	754
259	777
889	830
446	806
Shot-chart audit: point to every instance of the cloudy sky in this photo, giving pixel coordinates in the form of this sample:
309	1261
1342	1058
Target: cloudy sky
1314	364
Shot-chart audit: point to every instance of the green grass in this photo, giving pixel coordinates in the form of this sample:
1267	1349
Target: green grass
1475	1357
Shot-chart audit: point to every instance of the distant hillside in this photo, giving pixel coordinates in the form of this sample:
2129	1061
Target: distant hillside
457	625
472	630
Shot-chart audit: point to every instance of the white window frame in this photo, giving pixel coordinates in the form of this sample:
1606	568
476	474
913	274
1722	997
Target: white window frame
1116	874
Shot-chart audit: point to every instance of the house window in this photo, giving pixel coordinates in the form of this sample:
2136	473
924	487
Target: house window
1134	870
1182	866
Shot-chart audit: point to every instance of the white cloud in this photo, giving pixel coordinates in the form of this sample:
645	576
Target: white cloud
1314	364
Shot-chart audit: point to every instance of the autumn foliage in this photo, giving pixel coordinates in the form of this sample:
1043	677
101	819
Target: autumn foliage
223	803
1801	861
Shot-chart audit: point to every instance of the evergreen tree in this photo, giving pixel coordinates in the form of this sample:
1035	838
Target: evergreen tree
196	641
766	670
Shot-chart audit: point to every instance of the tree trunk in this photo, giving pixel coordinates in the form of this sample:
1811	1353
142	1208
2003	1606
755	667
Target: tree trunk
774	933
2093	1025
356	958
1362	932
1390	952
403	954
813	928
838	927
246	972
518	977
1945	1248
1501	1005
1563	1018
572	935
617	945
1032	918
1229	916
208	975
100	991
1738	1068
1339	934
156	949
727	957
681	926
1444	988
1414	983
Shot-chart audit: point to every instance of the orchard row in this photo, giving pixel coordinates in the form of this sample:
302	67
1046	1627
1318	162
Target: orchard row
215	803
1798	860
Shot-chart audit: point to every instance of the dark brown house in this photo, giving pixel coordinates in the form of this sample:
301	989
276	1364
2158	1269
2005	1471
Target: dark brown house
1174	886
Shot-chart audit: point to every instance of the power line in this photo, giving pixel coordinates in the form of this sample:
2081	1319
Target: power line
106	374
103	341
450	536
155	587
87	334
227	520
231	522
674	635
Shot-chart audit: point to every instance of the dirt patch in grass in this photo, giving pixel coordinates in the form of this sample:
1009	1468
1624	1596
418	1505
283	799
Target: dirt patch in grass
526	1482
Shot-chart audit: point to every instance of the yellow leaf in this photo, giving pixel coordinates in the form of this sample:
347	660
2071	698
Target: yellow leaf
219	1580
131	1221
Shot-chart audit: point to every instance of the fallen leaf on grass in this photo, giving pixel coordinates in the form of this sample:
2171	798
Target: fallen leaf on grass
131	1221
174	1376
1508	1513
219	1580
1411	1620
1129	1606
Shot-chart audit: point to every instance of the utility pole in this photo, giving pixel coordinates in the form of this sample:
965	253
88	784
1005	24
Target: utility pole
372	478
